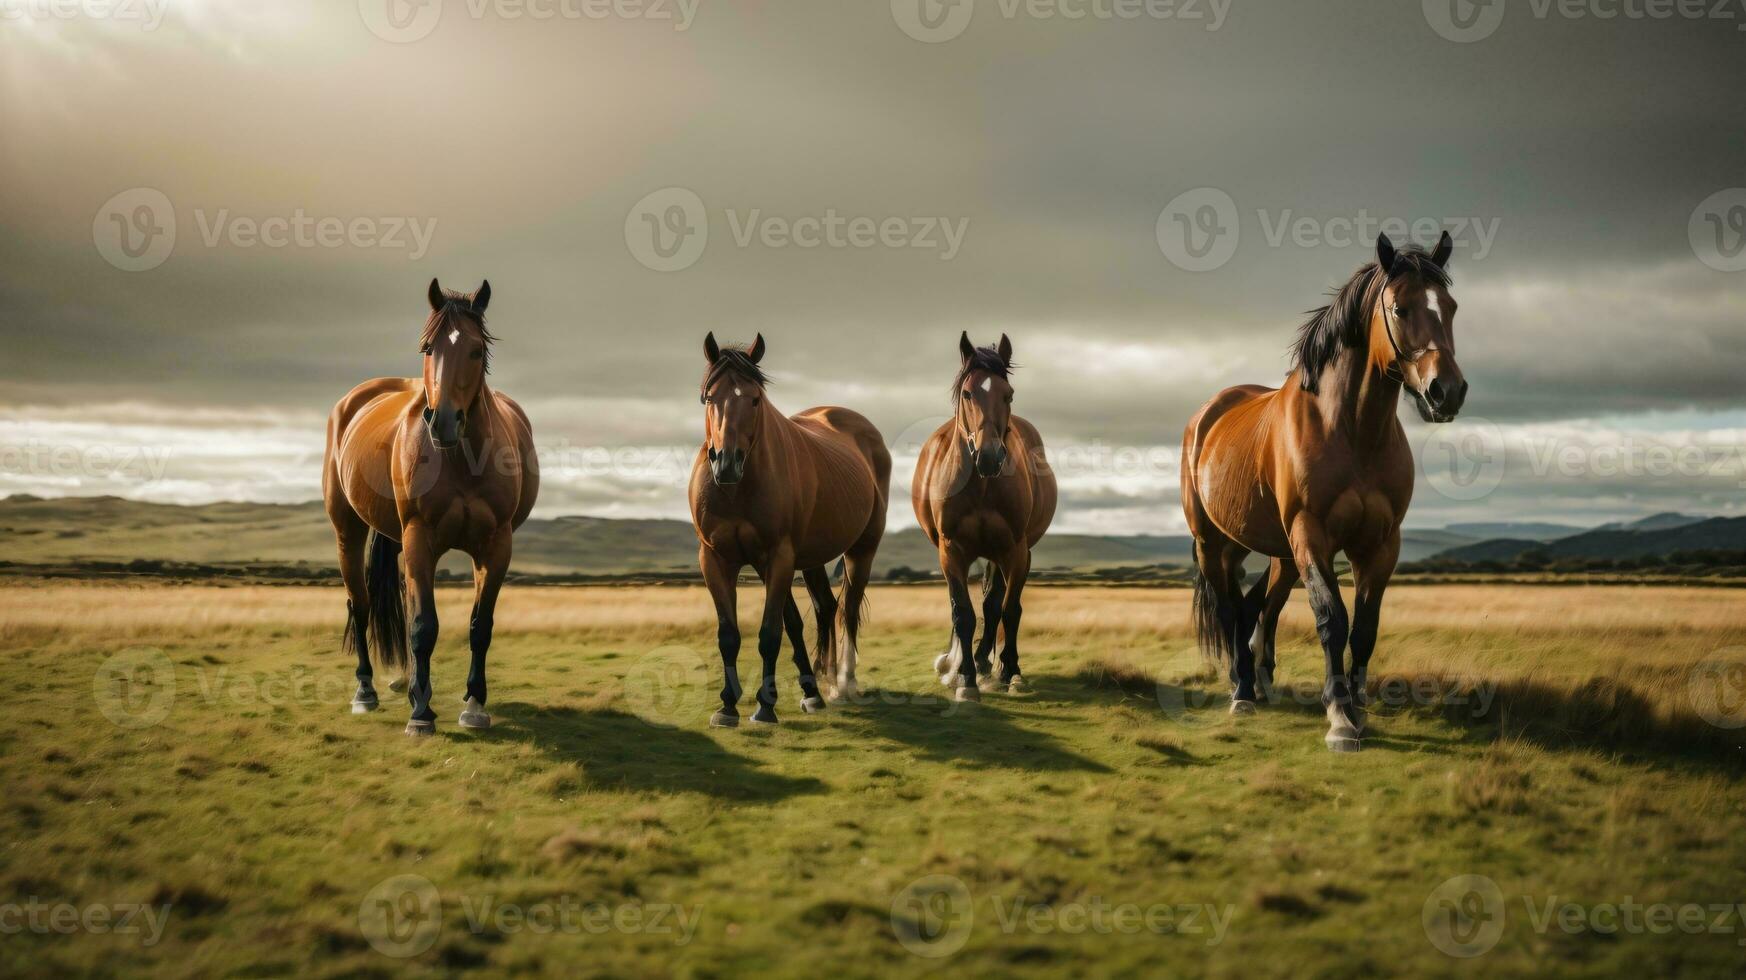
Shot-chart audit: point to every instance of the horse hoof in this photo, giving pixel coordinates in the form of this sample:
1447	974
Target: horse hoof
845	693
942	662
365	707
397	685
966	693
420	729
1242	707
812	706
722	719
764	716
1343	743
990	683
1017	685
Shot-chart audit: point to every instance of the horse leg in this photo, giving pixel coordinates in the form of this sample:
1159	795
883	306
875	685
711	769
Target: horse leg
420	558
1314	555
1220	626
955	563
1281	576
778	578
993	600
1370	574
489	567
723	581
857	571
796	627
824	614
353	535
1016	570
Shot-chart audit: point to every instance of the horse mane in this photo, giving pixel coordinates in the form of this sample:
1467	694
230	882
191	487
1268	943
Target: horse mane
985	359
1345	323
737	361
457	307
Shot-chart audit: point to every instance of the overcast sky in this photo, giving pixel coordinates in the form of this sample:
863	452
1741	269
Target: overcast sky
1145	197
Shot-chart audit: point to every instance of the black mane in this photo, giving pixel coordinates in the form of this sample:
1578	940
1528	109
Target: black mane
985	359
1345	322
736	361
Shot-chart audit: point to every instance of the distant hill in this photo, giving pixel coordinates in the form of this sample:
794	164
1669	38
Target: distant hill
110	529
71	530
1665	521
1531	531
1716	533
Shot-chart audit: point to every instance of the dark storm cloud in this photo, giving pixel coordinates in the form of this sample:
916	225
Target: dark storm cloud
1572	150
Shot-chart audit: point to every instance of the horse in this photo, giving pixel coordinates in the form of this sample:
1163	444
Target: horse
416	467
784	494
1317	466
983	490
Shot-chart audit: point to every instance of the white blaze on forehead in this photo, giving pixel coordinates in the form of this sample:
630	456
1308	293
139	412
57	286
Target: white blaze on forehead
454	336
1435	304
736	391
988	384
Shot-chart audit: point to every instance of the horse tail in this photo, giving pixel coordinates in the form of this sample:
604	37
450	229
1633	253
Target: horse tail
387	591
1215	642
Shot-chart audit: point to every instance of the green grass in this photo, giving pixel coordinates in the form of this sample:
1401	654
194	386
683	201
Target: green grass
263	814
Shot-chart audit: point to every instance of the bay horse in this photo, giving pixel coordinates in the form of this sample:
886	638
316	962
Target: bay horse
416	467
784	494
1317	466
983	490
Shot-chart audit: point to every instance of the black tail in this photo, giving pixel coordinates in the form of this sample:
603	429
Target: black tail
1215	642
387	589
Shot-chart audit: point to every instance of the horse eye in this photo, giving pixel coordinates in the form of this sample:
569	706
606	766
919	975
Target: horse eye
756	401
965	393
425	350
478	354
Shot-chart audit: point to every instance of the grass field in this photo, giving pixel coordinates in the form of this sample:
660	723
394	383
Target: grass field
186	794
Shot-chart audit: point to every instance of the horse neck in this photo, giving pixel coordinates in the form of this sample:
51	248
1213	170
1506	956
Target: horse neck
1357	396
776	433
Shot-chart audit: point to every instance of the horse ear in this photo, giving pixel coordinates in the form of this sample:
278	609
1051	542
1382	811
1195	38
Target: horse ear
711	349
966	349
1445	248
757	352
1384	254
436	297
482	298
1005	349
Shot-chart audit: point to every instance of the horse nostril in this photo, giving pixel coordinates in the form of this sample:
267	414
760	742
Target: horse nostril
1463	394
1434	392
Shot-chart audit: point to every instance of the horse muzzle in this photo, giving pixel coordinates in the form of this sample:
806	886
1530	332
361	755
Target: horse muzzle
1441	401
727	466
447	427
990	462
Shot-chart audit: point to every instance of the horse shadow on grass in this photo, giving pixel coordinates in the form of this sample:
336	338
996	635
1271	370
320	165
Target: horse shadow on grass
617	750
981	735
